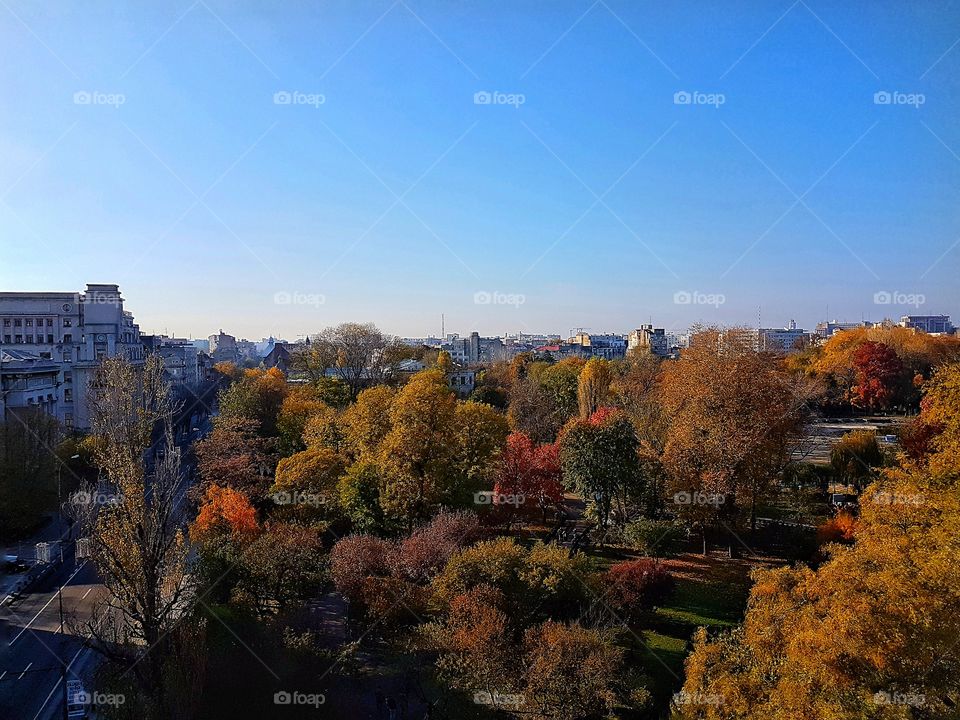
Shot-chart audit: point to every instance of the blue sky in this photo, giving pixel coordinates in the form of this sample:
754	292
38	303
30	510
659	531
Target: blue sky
148	146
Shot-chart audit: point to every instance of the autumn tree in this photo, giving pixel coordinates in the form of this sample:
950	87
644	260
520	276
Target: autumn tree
532	471
367	421
481	433
137	544
314	471
358	353
634	587
735	418
256	396
593	386
28	469
300	404
234	455
224	511
358	492
419	452
877	369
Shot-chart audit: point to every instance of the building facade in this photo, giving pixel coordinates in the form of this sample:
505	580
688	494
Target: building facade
75	331
928	323
647	339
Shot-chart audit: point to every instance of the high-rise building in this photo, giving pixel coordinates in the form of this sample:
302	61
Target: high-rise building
928	323
648	339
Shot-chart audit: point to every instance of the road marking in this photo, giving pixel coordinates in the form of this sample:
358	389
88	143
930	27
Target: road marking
27	626
24	671
86	593
1	675
55	686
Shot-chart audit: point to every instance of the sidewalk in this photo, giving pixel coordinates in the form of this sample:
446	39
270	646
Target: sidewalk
25	550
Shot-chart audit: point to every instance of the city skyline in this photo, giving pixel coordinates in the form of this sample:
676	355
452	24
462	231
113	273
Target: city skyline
396	160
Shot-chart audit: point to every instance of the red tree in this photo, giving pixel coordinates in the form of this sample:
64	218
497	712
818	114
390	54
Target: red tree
878	368
530	470
636	586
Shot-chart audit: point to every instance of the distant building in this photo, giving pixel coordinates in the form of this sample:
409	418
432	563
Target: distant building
223	348
462	380
279	356
928	323
827	329
180	359
75	331
608	347
786	339
648	339
28	381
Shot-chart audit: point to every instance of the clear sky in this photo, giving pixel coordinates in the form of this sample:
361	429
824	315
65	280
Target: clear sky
149	144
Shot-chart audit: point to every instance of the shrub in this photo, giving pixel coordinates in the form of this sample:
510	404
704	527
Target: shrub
840	528
634	587
654	538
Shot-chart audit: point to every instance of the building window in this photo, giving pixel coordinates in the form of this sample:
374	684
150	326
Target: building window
68	419
68	395
39	322
68	356
49	338
68	376
18	338
6	339
17	322
67	322
49	322
29	339
6	322
29	322
67	338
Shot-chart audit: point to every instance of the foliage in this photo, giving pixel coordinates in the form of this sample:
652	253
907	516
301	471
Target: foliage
300	405
234	455
877	369
367	422
839	528
224	511
426	551
256	396
571	671
315	470
635	587
855	457
531	471
593	386
481	434
324	429
599	460
28	468
359	497
654	538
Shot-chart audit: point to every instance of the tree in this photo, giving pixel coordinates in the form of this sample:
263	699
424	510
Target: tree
419	452
877	370
28	468
224	511
533	411
137	544
426	551
593	386
356	558
940	412
570	671
635	587
531	471
855	457
877	621
358	353
296	410
475	645
367	422
234	455
735	418
359	495
325	429
315	471
599	460
481	433
257	396
560	382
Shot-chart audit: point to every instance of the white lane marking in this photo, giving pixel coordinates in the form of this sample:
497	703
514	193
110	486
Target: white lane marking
55	686
24	671
86	593
27	626
2	674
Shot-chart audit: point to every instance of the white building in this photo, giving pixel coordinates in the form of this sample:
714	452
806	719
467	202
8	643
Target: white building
75	331
650	340
928	323
27	381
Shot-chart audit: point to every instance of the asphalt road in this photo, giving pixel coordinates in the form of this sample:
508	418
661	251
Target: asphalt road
32	645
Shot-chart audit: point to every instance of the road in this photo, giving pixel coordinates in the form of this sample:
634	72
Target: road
31	645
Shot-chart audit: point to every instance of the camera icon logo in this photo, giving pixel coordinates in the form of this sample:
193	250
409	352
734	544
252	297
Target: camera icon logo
682	97
882	97
482	97
282	698
682	298
81	97
282	97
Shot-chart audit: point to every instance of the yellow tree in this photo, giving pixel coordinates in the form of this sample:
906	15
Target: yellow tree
367	422
419	452
593	386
